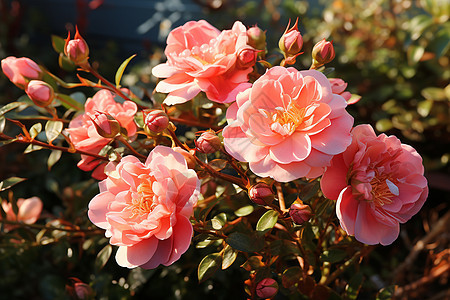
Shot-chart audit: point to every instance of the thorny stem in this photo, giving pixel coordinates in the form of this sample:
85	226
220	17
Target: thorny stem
281	197
26	140
125	142
206	167
235	166
90	69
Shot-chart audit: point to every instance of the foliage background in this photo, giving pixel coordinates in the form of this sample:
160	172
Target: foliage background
395	54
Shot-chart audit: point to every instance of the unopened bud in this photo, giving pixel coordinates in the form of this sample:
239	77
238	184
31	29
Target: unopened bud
300	213
256	38
267	288
188	156
322	53
77	49
261	193
40	92
105	124
246	58
338	86
208	142
291	42
156	120
20	70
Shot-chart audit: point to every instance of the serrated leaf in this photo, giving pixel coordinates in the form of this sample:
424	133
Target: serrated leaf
103	257
53	129
9	182
9	107
244	211
35	130
245	242
228	257
353	287
58	43
121	69
208	266
53	158
2	123
68	102
267	220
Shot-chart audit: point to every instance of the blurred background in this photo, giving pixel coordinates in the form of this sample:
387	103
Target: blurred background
394	53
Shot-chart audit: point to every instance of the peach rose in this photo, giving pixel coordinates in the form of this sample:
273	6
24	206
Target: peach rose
145	208
288	125
201	58
20	70
29	211
338	86
84	135
378	183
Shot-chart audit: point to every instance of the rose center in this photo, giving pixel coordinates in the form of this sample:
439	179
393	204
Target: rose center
383	190
143	202
286	121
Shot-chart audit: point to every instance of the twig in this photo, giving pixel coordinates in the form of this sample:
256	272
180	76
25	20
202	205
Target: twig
37	226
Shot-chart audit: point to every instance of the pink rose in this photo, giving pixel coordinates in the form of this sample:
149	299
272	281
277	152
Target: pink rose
29	211
83	132
338	86
378	183
20	70
288	125
145	208
201	58
40	92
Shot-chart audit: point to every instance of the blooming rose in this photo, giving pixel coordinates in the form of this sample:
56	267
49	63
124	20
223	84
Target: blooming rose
288	125
83	132
378	183
145	208
29	211
20	70
201	58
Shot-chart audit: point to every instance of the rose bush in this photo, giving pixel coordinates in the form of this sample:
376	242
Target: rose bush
378	183
288	125
145	208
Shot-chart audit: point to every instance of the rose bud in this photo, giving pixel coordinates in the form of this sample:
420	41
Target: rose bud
267	288
300	213
208	142
105	124
188	156
338	86
40	92
246	58
322	53
261	193
20	70
256	38
291	42
156	120
83	290
77	49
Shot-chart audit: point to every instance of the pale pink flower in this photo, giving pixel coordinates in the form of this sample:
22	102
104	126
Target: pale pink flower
83	132
40	92
338	86
288	125
20	70
145	208
378	183
201	58
29	211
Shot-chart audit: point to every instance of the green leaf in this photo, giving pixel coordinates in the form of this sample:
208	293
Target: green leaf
434	93
418	24
383	125
228	257
245	242
267	221
9	182
103	257
121	69
2	123
68	102
415	53
244	211
10	106
58	43
353	287
218	221
53	158
32	148
65	63
35	130
424	107
208	266
386	293
333	255
52	130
